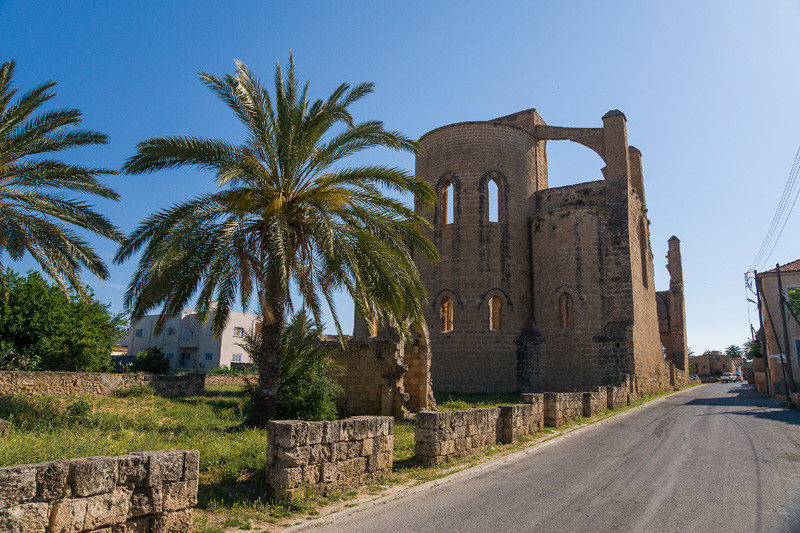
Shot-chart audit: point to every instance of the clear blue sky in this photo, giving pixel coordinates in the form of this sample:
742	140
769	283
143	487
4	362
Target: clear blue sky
710	90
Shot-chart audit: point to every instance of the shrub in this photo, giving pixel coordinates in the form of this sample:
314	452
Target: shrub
79	409
223	370
307	388
152	360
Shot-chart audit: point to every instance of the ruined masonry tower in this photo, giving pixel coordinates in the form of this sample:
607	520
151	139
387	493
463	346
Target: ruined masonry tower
540	288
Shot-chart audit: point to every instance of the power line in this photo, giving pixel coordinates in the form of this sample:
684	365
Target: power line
788	200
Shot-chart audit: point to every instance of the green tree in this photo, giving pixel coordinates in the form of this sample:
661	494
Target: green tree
692	368
752	348
151	360
733	351
287	214
46	329
35	214
794	301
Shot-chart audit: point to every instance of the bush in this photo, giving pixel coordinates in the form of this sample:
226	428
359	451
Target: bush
152	360
79	409
307	388
223	370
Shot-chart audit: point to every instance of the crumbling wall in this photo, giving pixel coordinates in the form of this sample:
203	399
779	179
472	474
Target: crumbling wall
78	383
594	402
215	380
141	492
328	456
560	407
616	397
443	436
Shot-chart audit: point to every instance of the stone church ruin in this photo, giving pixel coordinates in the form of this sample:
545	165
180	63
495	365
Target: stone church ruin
549	289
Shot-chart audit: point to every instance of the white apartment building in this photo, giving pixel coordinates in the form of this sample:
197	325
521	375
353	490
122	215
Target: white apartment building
191	346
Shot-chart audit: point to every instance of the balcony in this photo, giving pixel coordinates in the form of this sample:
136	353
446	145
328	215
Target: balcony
189	341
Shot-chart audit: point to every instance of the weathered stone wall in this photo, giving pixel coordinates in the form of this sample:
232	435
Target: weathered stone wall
442	436
214	380
594	402
328	456
560	407
140	492
383	375
616	397
642	385
77	383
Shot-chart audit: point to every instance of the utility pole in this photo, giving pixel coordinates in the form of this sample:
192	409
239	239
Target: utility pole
763	336
785	327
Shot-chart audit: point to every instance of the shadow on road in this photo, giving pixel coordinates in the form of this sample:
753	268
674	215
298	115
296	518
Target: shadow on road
745	396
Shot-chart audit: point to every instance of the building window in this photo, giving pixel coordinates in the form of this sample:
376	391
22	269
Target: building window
170	332
236	358
565	306
186	359
170	355
139	333
643	251
209	356
446	315
238	332
447	203
210	330
495	310
494	200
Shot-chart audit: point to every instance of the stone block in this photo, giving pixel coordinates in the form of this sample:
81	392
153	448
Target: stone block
191	465
329	473
133	470
287	433
137	525
175	522
52	480
24	518
93	475
107	509
428	419
330	432
170	465
17	485
296	456
145	501
5	428
179	495
69	515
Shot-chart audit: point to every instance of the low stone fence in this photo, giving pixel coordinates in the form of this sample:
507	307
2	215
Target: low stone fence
328	456
140	492
560	407
616	397
594	402
78	383
521	419
442	436
215	380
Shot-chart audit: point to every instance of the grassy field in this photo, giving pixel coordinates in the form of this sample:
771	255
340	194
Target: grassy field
232	454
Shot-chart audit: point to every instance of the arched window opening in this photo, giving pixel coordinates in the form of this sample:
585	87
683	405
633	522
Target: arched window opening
447	202
643	251
446	315
495	311
565	304
494	200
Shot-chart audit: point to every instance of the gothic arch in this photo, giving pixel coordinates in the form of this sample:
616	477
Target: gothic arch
447	292
495	291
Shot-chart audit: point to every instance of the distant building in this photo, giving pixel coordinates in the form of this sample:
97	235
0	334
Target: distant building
190	345
715	363
771	312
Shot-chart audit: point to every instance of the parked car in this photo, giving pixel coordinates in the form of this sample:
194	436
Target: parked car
694	376
728	377
738	376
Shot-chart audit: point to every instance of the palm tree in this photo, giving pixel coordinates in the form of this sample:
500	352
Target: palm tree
287	217
733	351
35	215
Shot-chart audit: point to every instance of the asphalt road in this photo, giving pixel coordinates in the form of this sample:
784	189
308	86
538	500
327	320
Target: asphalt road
718	457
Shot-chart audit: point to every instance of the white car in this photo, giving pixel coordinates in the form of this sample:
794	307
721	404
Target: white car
728	377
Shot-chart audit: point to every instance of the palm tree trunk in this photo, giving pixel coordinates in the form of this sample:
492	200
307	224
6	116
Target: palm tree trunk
269	361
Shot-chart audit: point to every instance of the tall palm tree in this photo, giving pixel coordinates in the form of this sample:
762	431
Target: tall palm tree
35	215
287	217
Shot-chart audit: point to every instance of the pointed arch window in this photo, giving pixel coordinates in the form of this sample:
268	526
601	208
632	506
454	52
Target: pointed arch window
446	315
448	193
373	325
493	196
495	312
643	251
565	310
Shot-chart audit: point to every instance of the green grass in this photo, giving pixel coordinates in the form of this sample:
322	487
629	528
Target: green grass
453	401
